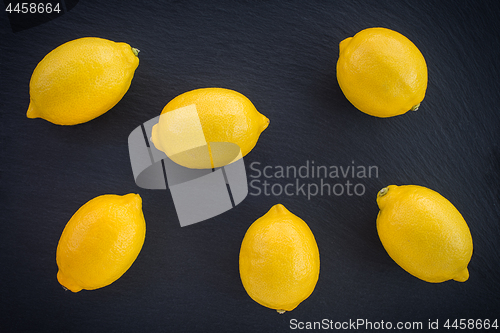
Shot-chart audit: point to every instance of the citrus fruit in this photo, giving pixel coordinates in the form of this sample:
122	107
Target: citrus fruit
279	260
208	127
424	233
381	72
80	80
100	242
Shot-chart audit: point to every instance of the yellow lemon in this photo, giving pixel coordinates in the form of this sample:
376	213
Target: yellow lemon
208	127
279	260
100	242
424	233
80	80
381	72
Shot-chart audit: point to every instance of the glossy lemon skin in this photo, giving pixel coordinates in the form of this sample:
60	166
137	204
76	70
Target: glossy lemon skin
226	116
279	260
381	72
424	233
100	242
81	80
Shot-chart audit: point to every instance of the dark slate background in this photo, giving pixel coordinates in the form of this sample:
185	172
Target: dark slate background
282	56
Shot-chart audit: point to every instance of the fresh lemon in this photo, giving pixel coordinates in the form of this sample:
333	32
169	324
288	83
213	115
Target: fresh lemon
279	260
207	128
80	80
424	233
381	72
100	242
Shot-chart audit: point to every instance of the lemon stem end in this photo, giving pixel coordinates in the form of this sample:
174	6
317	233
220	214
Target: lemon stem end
281	311
136	51
415	107
383	192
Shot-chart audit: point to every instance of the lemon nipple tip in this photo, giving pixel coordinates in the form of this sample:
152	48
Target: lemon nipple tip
265	122
31	113
67	283
279	209
344	43
462	276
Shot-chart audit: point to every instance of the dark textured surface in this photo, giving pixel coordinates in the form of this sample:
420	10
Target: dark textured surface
282	56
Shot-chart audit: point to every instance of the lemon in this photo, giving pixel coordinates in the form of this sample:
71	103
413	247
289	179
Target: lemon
100	242
208	127
80	80
424	233
381	72
279	260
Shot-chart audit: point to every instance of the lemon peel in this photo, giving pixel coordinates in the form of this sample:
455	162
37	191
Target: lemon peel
381	72
81	80
424	233
100	242
196	128
279	260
